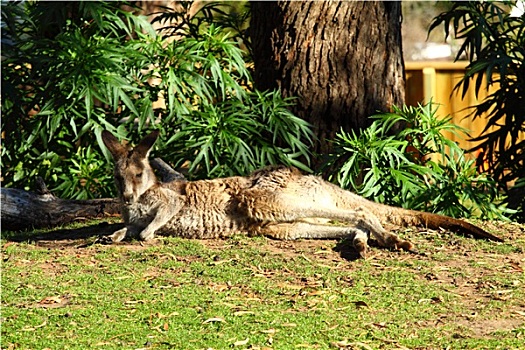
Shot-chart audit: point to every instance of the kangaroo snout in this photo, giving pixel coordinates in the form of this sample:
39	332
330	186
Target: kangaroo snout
128	198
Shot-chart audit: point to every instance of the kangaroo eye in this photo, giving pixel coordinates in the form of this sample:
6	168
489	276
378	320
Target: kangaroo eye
139	175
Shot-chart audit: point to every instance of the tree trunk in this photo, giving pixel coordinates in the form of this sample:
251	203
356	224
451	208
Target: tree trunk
343	59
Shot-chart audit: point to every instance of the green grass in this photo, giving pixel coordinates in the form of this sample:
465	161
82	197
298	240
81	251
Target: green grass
254	293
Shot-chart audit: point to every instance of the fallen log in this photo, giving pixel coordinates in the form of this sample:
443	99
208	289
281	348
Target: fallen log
22	210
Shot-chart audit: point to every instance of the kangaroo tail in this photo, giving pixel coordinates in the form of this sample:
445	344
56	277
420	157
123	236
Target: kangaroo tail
436	221
406	217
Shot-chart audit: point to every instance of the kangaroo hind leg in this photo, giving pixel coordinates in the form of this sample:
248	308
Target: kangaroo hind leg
307	197
284	207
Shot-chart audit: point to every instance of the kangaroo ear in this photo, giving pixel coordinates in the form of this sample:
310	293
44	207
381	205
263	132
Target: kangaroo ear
112	143
146	143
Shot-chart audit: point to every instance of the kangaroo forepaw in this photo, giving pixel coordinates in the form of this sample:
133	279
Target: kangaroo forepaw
146	235
119	235
115	237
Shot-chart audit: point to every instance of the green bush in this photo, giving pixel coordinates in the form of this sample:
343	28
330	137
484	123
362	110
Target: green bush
416	168
228	139
494	43
73	69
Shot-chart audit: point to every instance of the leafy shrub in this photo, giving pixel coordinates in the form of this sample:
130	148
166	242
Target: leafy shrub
494	44
416	168
86	174
67	71
73	69
228	139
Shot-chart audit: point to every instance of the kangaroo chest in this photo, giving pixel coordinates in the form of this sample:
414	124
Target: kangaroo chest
138	215
205	209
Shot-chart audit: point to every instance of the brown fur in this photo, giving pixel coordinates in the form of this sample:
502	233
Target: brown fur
277	201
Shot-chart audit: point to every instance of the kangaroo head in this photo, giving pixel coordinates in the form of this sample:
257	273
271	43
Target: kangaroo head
133	173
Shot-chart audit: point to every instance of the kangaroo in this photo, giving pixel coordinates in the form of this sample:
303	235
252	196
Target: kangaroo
278	202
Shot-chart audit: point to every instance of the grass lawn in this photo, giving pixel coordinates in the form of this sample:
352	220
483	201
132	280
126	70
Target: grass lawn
60	290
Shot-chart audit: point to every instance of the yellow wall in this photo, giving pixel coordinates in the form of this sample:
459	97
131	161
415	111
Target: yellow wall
436	80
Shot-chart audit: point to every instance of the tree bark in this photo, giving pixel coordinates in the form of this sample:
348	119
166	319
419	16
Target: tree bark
342	59
24	210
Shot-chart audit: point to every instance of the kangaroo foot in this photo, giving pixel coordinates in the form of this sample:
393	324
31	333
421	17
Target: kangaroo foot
360	241
394	241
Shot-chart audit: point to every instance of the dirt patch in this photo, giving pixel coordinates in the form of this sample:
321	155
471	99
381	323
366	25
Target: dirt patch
483	328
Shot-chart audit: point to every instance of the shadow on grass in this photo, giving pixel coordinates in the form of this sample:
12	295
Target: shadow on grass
69	234
94	234
346	250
